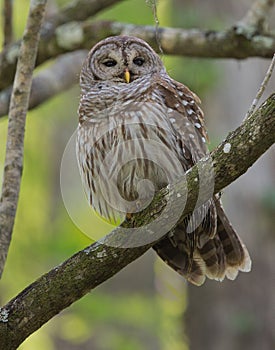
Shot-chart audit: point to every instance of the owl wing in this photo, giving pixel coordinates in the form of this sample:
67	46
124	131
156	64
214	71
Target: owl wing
187	120
187	117
213	248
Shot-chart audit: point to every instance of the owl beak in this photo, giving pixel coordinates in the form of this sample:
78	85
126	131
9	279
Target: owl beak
127	75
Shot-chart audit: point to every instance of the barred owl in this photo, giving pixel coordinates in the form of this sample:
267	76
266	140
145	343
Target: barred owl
140	130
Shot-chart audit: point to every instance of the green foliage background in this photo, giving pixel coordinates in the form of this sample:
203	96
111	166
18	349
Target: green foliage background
44	235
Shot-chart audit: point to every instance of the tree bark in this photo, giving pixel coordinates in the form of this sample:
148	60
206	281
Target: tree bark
49	82
16	127
235	42
90	267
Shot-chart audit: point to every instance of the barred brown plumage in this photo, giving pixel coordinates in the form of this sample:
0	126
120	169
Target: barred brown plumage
140	130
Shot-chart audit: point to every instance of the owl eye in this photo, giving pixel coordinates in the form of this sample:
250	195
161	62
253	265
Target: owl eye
110	62
139	61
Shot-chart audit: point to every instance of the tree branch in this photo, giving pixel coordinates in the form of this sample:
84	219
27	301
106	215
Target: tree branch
262	87
88	268
76	10
49	82
174	41
16	127
7	21
256	17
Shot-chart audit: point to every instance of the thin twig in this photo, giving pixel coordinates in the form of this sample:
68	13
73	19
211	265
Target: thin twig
262	88
7	21
16	126
153	4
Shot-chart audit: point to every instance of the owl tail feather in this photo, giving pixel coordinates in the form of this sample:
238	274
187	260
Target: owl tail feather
223	255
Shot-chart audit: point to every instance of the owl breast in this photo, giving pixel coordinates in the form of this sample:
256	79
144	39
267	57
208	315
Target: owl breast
126	151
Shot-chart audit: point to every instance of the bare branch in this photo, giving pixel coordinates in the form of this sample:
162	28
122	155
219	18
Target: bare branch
174	41
16	127
78	10
90	267
51	81
7	20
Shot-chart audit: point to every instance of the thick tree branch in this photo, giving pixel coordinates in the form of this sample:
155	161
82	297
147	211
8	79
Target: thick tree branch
47	83
231	43
16	127
88	268
63	73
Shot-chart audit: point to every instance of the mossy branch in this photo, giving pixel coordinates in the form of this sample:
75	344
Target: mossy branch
232	43
87	269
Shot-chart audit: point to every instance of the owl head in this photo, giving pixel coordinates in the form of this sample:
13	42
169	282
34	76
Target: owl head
120	59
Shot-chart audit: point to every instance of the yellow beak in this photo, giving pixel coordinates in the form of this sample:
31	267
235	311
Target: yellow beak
127	76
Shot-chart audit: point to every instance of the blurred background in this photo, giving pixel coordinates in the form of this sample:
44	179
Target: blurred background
147	305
